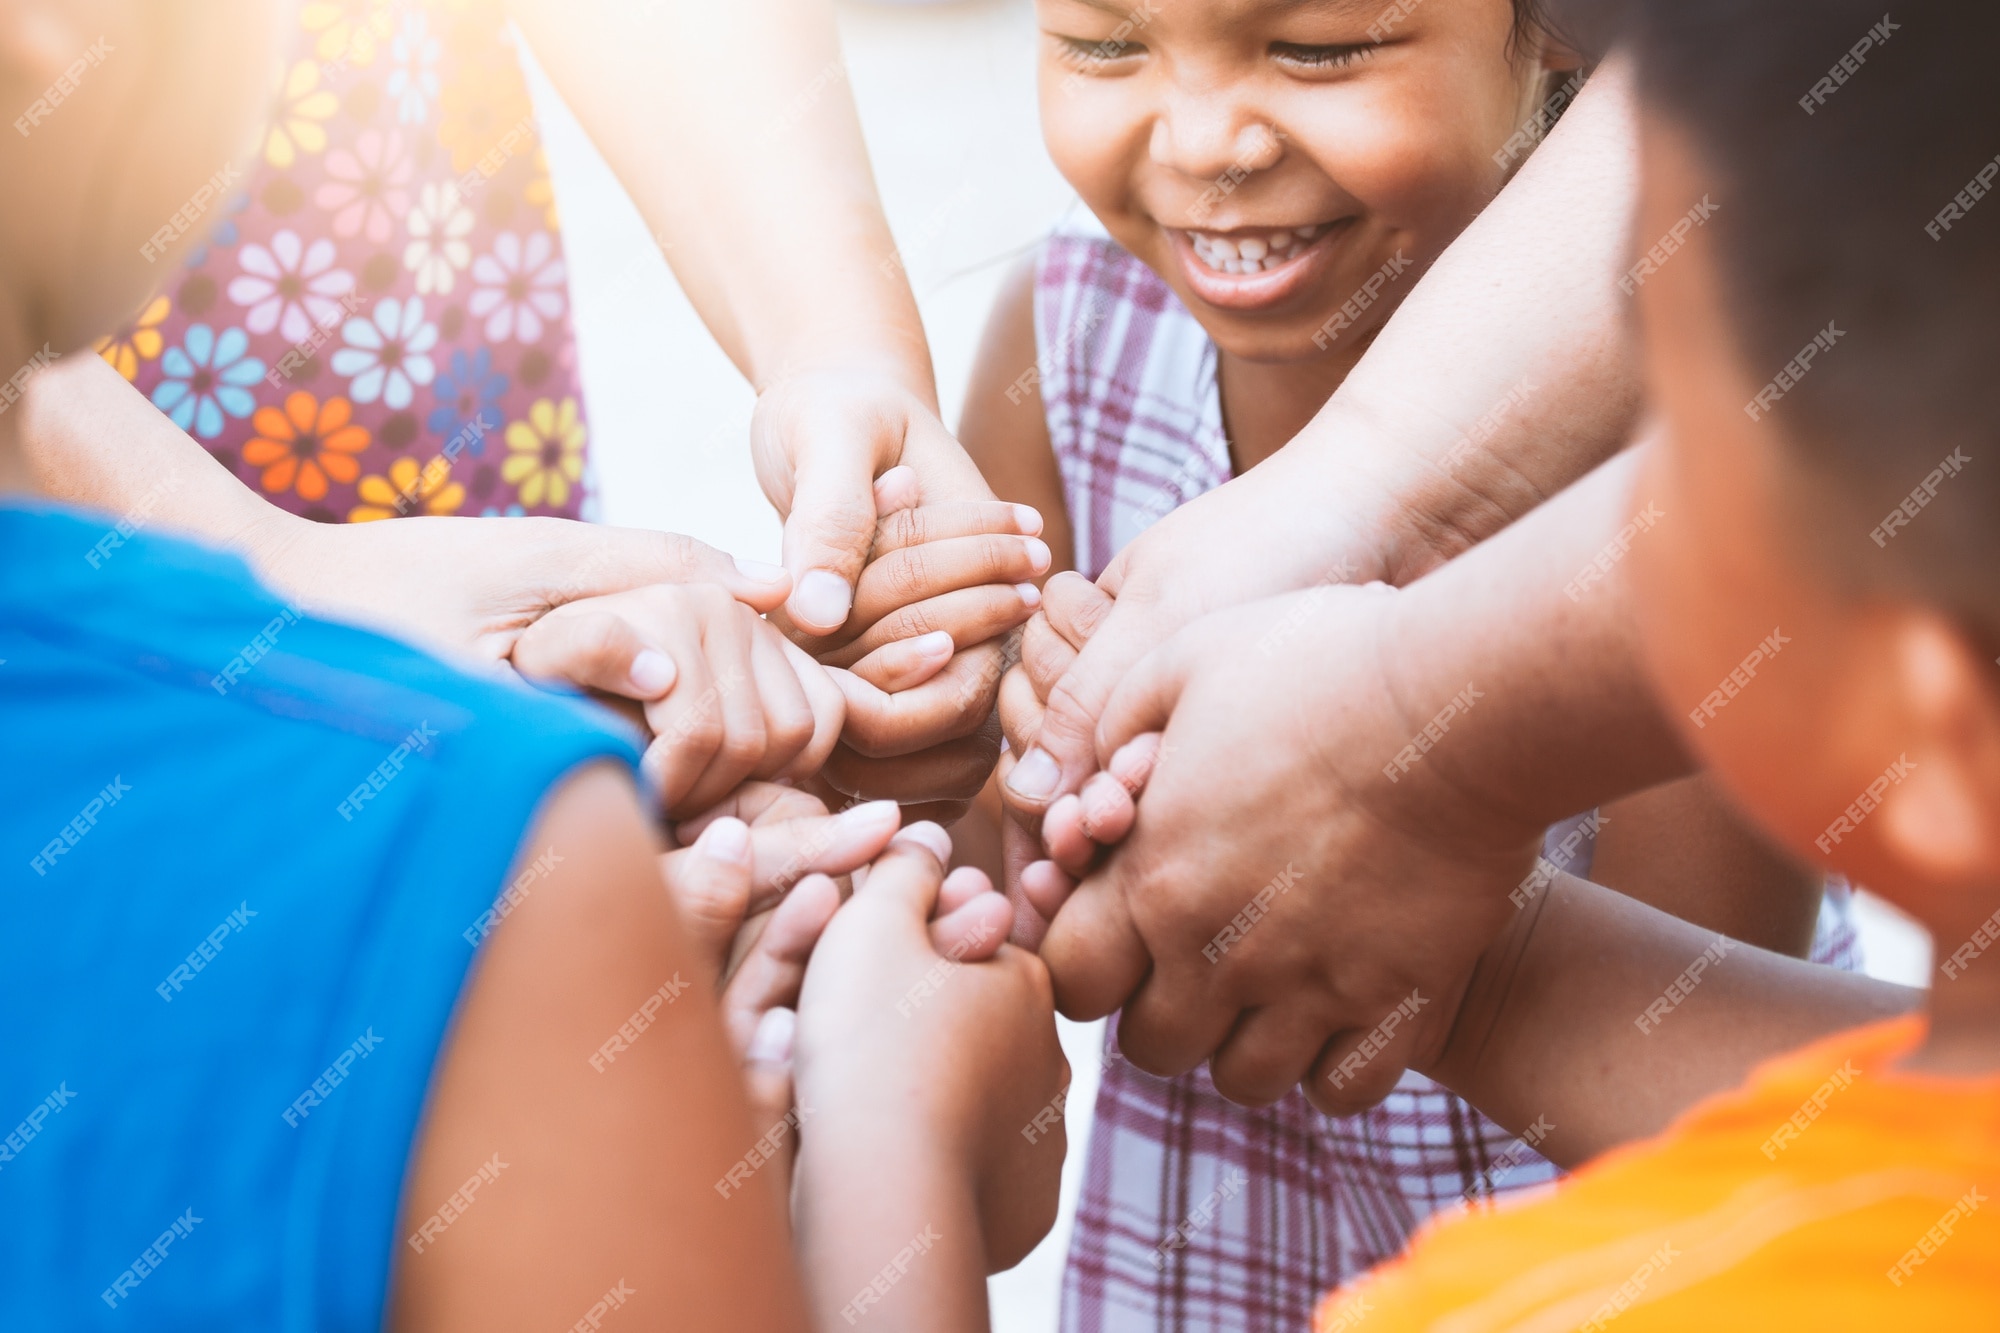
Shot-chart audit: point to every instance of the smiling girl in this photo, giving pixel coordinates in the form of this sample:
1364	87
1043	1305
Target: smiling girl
1267	180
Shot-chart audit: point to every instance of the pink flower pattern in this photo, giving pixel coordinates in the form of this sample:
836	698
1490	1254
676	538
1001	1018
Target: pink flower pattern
290	286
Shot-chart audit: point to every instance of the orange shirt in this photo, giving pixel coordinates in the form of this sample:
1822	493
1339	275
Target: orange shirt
1830	1191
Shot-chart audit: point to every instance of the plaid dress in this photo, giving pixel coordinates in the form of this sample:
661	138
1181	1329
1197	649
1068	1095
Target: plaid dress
1197	1213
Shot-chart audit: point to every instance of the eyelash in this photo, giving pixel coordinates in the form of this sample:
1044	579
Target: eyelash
1320	57
1100	52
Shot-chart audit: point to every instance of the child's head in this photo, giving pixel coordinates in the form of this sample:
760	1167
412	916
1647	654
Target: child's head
1822	350
123	111
1273	159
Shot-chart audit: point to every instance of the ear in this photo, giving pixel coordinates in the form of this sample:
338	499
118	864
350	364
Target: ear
1943	820
38	41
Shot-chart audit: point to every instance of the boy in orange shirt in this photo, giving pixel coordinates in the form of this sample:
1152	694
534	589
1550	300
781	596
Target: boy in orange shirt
1850	1183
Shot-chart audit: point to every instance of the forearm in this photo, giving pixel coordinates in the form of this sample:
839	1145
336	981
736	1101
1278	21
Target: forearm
89	438
1598	1019
733	130
883	1234
1533	634
1509	372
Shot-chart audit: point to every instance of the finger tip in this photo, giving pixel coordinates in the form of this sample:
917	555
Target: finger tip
928	835
726	841
772	1042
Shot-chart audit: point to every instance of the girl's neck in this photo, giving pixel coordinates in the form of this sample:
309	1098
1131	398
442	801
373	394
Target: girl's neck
1266	403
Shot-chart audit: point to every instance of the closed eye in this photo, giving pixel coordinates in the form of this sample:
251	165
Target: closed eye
1321	57
1083	54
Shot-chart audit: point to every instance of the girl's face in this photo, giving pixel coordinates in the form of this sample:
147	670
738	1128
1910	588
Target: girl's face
1278	160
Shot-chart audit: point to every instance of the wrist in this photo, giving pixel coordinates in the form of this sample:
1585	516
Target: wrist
886	349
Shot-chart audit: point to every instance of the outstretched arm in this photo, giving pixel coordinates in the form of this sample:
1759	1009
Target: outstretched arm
1506	375
734	131
1598	1019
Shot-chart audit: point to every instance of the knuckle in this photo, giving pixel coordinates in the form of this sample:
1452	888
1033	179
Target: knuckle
909	573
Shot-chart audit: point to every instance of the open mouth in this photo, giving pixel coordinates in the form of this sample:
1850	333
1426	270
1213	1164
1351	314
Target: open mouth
1253	251
1254	268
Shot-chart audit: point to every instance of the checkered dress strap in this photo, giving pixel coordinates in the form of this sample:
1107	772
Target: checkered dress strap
1129	391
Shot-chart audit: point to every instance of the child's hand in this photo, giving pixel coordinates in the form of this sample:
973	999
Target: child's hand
925	647
755	896
726	696
923	1064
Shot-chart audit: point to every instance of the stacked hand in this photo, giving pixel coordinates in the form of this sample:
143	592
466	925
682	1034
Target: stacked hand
1227	948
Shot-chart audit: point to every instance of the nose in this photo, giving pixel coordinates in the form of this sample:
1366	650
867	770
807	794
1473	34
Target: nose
1206	136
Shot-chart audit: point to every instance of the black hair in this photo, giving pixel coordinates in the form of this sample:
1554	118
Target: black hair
1851	151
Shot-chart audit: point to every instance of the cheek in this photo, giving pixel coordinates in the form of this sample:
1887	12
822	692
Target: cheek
1096	136
1416	162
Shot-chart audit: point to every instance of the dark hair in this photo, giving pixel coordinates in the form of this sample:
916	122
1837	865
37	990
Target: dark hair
1846	148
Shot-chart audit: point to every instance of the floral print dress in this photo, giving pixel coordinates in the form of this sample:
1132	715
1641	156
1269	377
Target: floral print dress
378	322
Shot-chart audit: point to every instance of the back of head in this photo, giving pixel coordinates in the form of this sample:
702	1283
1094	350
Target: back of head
1851	153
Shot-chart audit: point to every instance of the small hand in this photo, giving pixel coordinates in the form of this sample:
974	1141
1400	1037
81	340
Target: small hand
725	695
938	1055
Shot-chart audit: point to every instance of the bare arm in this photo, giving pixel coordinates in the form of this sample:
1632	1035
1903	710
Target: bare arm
1507	374
1602	1018
610	1176
733	129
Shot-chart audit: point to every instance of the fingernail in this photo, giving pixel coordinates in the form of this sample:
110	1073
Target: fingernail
1028	519
931	837
936	644
771	1043
726	840
652	673
1036	776
759	571
1031	596
822	599
1039	558
872	812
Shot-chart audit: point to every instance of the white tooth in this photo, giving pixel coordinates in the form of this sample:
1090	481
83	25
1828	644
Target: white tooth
1252	248
1306	233
1224	247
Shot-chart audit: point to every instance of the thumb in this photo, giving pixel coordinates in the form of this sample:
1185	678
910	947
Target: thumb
1065	750
827	536
578	560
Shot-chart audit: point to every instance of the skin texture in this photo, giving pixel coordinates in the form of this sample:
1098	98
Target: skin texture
608	1174
1401	883
1405	467
1226	115
1877	674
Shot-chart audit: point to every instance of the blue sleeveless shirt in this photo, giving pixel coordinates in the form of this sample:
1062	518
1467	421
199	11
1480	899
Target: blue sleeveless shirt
246	859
